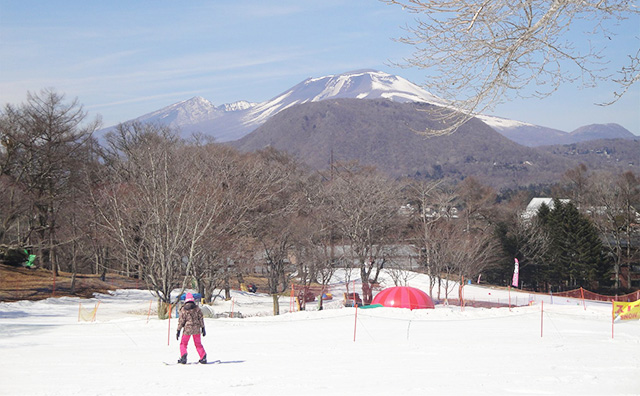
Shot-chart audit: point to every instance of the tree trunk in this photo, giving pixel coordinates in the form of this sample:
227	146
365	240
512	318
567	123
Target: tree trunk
227	286
163	309
202	290
74	267
320	302
367	295
617	275
73	283
276	305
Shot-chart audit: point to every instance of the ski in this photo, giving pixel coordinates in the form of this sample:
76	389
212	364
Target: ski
190	363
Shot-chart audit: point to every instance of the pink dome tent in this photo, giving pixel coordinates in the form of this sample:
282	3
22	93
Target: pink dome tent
404	297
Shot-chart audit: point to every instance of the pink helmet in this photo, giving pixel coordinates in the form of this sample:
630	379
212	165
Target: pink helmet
189	297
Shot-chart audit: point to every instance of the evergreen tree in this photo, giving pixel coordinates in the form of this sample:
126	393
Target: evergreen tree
575	254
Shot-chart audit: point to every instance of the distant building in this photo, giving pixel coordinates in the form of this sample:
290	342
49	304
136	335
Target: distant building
536	203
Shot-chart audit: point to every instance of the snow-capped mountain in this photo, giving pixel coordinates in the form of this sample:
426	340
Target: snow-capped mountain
232	121
535	135
529	135
361	84
194	111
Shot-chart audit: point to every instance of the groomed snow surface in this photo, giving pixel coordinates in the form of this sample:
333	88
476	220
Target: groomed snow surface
443	351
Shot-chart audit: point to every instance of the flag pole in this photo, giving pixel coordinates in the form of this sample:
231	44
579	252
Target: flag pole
514	281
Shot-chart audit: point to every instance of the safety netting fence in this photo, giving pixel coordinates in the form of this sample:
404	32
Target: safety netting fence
589	295
87	314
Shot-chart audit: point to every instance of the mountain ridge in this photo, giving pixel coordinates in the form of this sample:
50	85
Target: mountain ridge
232	121
381	133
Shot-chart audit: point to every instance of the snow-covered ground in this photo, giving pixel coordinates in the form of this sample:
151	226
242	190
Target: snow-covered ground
567	348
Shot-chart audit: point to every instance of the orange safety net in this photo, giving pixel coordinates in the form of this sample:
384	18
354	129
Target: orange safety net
87	314
589	295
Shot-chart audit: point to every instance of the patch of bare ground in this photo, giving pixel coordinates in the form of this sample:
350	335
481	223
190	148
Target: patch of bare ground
19	283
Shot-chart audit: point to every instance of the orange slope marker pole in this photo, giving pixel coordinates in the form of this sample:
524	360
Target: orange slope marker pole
95	311
354	295
291	300
149	313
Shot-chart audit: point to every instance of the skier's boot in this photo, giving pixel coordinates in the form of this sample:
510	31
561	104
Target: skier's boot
183	359
204	359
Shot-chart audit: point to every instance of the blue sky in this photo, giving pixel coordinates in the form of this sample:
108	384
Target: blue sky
123	59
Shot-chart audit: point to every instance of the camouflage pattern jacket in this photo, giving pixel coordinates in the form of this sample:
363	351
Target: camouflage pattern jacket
190	318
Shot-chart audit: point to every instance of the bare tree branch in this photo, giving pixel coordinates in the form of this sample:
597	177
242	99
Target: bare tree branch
481	53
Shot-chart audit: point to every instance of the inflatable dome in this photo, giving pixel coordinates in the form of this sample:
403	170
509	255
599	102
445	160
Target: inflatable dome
403	297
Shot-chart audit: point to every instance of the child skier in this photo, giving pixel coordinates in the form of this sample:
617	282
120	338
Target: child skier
192	321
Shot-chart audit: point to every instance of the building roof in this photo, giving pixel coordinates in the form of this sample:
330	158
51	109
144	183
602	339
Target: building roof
535	204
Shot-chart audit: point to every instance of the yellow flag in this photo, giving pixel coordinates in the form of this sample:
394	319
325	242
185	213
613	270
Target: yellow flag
626	310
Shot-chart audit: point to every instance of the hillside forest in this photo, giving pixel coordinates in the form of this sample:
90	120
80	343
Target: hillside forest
189	213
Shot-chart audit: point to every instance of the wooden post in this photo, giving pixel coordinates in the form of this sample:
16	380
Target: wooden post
169	330
541	317
613	317
233	301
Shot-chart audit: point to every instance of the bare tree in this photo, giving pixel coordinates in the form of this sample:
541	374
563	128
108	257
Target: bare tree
433	202
366	213
458	253
235	180
476	203
77	217
274	220
451	232
157	205
576	184
613	207
43	142
316	246
479	53
396	268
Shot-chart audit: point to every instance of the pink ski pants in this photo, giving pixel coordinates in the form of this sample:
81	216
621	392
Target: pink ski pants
196	340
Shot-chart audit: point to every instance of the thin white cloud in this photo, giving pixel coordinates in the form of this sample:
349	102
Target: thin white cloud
143	99
104	60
